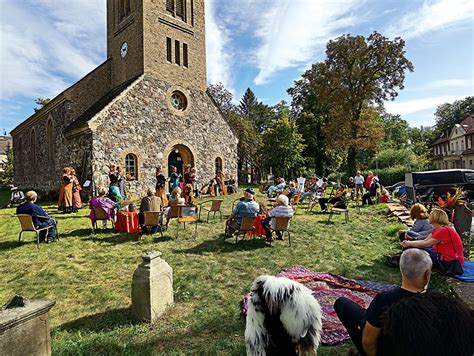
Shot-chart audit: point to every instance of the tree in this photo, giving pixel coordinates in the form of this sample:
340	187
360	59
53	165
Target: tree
357	74
397	130
6	177
41	102
447	115
248	104
222	97
283	146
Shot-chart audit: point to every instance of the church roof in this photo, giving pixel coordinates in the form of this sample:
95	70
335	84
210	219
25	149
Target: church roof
99	105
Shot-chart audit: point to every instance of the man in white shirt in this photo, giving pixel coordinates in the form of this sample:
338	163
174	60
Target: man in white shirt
359	185
281	209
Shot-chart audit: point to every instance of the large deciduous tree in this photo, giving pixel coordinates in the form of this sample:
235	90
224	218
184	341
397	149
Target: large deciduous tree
447	115
222	97
357	73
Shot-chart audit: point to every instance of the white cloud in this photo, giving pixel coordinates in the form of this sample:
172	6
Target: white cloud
433	15
46	44
416	105
219	58
292	31
450	83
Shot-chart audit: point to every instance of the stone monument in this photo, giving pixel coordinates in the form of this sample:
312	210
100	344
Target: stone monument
152	287
24	327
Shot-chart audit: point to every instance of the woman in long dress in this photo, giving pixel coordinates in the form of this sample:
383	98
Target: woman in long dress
76	190
65	203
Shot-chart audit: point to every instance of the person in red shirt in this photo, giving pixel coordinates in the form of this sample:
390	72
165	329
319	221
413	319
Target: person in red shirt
368	180
443	245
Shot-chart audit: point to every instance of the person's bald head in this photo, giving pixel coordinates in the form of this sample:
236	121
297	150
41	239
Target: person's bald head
31	196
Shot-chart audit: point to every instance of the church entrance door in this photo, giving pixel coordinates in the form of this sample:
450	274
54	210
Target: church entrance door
179	157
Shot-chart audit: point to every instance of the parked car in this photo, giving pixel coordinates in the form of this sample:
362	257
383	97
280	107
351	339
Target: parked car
425	186
391	188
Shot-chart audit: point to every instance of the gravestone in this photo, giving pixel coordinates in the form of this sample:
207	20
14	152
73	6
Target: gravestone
462	224
152	287
24	327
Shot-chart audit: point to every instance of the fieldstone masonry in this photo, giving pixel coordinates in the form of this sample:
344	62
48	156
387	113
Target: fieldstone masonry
152	287
24	327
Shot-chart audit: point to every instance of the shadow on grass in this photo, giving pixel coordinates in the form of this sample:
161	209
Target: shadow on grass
105	321
10	245
114	239
224	246
78	232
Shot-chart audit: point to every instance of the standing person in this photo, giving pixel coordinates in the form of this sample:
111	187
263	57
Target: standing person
65	203
114	191
161	193
76	190
40	217
368	180
359	185
160	178
121	182
351	186
280	209
443	245
174	178
365	325
192	180
186	174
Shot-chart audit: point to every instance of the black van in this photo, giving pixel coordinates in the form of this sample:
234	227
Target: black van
424	186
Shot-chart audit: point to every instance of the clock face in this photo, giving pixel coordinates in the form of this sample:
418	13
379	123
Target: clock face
124	49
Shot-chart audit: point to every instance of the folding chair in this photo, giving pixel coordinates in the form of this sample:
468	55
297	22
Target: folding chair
152	218
282	224
176	212
215	207
26	224
340	207
100	215
246	225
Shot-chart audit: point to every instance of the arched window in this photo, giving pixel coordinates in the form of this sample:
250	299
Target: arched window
131	167
218	164
50	139
33	146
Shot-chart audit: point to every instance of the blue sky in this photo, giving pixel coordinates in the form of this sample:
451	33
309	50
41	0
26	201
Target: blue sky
46	45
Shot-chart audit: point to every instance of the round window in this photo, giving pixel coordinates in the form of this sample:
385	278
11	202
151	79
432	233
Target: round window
179	101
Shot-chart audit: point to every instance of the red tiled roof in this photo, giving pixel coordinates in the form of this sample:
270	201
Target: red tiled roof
468	124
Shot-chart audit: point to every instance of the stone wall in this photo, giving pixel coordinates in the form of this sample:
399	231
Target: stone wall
141	122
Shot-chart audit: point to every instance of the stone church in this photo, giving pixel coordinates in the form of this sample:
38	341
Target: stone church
147	105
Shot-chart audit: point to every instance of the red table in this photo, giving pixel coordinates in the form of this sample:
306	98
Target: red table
127	222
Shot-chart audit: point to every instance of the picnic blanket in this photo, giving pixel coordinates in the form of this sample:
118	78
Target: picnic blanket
326	288
468	275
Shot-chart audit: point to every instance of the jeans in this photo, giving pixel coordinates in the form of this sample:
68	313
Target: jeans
268	231
51	231
366	199
434	258
307	194
352	316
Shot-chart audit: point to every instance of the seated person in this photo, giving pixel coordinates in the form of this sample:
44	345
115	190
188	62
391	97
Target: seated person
351	187
149	203
291	190
177	200
189	201
443	244
40	217
231	189
312	188
444	326
101	201
338	197
364	326
421	227
374	188
281	208
280	185
384	195
245	208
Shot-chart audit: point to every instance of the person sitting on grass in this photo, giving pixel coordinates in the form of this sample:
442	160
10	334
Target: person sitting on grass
374	189
443	244
364	326
149	203
280	185
247	207
40	217
106	204
338	197
421	227
281	208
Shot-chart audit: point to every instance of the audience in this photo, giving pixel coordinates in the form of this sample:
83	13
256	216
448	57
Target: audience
421	227
189	201
338	197
443	244
372	192
174	201
365	325
311	190
280	185
106	204
40	217
248	207
149	203
281	209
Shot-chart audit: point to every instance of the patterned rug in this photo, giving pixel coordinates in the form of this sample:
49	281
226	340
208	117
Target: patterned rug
326	288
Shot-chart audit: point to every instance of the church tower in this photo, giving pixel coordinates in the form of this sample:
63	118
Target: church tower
164	39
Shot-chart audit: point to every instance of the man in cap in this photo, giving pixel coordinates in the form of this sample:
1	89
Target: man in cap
246	207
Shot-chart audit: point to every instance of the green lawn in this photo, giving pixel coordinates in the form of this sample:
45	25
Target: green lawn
89	276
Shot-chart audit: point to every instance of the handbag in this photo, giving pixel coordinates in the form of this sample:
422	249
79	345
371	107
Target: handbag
450	268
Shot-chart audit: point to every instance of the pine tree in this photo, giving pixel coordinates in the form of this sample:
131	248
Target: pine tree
248	104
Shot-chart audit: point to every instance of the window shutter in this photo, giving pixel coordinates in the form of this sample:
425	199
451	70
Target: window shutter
170	6
180	9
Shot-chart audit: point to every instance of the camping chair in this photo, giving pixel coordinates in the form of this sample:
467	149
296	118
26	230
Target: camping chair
339	208
295	200
100	215
26	223
234	203
282	224
300	187
176	212
246	225
214	208
152	218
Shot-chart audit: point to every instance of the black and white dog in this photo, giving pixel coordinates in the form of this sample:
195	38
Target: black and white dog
283	318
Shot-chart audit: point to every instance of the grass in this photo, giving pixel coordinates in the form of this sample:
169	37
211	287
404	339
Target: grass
89	276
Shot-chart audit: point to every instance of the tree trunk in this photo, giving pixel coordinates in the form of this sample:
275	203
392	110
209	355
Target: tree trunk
351	161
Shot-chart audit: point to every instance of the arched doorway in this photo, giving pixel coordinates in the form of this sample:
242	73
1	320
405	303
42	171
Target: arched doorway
179	156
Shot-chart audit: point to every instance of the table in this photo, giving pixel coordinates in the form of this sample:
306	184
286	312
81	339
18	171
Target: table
127	222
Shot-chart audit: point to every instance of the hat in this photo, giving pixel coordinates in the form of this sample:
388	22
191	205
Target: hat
250	191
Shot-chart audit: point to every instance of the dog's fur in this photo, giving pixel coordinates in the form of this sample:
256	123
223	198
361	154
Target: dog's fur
283	318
